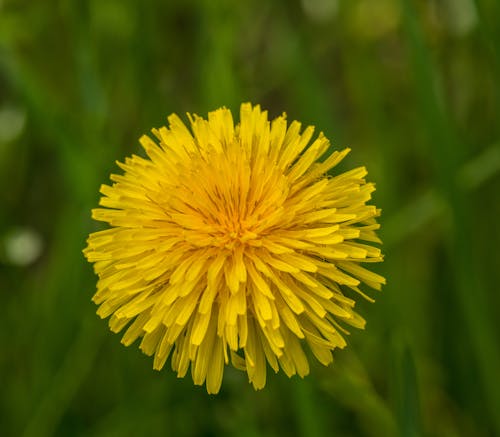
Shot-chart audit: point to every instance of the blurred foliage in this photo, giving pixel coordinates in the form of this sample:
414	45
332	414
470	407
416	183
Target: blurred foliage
411	86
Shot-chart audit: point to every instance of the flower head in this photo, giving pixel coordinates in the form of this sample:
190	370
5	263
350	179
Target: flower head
231	243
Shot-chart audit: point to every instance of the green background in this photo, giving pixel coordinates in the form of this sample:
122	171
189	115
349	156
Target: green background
410	86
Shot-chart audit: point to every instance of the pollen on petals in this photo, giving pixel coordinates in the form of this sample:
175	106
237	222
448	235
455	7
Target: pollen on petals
234	243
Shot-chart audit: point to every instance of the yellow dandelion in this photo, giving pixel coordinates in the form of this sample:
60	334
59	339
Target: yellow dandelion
232	244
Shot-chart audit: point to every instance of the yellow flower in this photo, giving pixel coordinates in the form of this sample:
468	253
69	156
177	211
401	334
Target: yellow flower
231	243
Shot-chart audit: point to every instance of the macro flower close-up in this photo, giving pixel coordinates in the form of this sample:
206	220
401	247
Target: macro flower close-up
235	243
223	219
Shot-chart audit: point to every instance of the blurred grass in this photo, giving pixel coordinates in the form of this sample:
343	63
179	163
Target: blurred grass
410	86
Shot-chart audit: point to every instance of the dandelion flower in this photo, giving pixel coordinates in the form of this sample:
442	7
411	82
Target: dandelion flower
234	243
